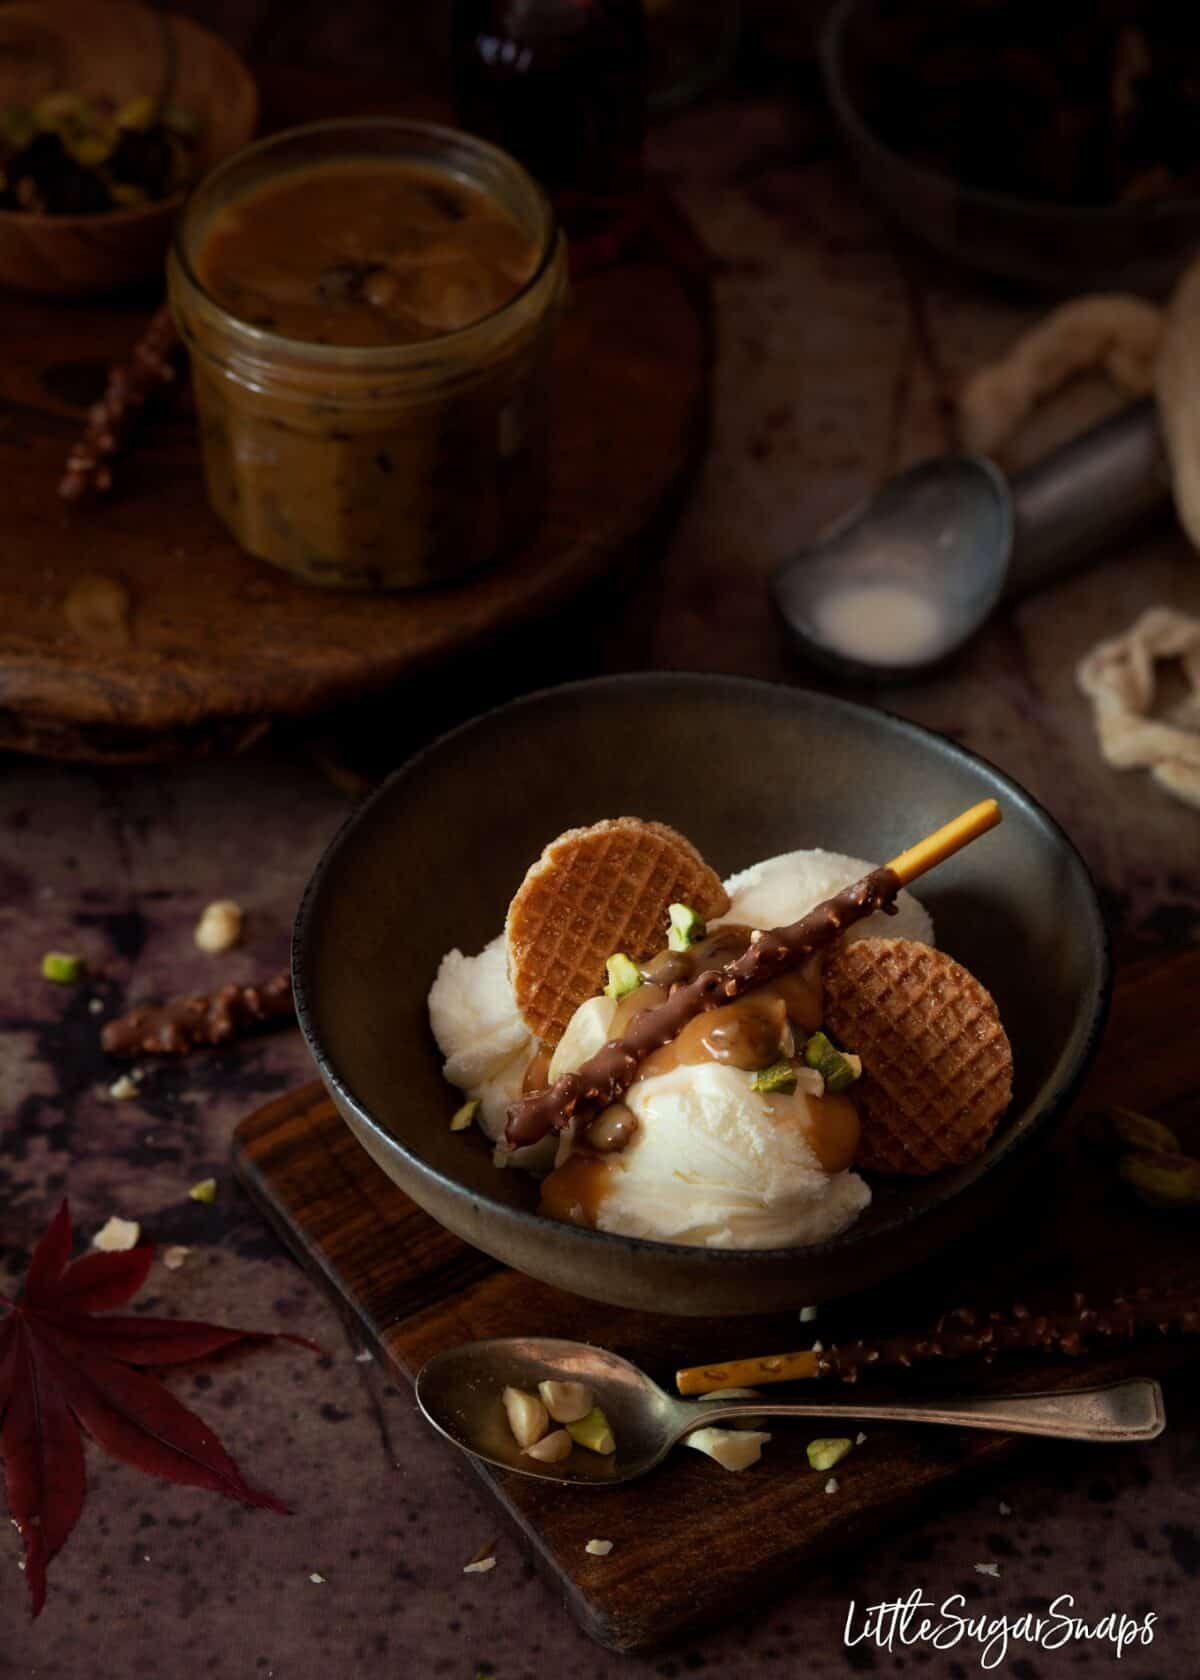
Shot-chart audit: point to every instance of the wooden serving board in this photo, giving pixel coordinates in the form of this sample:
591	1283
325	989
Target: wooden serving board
219	643
692	1541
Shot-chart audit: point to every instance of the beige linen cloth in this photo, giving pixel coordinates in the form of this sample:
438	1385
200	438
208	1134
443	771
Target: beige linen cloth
1118	677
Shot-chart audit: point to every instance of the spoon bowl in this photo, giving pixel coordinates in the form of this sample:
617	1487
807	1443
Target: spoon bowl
899	583
460	1392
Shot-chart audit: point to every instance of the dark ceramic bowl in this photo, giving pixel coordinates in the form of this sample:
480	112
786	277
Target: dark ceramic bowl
1056	248
746	770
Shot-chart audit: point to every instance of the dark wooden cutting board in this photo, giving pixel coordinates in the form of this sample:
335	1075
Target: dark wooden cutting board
693	1541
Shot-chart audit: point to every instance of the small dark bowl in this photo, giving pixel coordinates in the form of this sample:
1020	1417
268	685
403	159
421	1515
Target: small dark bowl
746	769
1055	248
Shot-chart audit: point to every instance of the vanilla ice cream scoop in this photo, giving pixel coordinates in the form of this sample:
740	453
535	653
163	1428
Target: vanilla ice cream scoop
780	890
716	1163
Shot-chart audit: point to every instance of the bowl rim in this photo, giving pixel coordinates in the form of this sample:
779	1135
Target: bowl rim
173	201
831	54
704	682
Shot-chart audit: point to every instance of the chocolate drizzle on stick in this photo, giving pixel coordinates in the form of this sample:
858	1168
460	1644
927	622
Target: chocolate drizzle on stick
131	385
607	1075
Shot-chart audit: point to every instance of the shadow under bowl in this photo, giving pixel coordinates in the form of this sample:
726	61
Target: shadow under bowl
747	770
1061	249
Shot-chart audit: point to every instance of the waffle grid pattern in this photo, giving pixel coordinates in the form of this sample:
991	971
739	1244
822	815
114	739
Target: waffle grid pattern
936	1059
594	891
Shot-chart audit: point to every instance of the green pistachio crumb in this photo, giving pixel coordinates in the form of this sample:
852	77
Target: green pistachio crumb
687	928
62	967
1161	1179
593	1432
838	1068
462	1117
205	1191
1140	1131
780	1076
827	1451
623	976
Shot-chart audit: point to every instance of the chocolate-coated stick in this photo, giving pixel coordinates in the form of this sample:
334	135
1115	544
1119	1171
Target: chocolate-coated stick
605	1077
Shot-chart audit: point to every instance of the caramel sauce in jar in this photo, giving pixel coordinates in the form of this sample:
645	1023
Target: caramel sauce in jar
369	306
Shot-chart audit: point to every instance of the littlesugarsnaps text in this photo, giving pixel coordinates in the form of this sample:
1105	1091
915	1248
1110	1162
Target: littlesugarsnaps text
920	1621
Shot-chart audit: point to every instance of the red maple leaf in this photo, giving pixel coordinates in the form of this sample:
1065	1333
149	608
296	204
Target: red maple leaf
61	1368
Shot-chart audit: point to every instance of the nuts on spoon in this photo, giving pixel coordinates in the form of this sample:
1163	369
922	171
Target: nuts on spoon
566	1402
527	1417
552	1448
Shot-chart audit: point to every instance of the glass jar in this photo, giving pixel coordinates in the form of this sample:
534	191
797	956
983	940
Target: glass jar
378	466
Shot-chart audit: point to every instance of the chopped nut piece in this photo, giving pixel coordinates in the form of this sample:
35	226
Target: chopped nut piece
317	1580
687	928
831	1486
731	1394
123	1089
566	1402
552	1448
95	1006
462	1117
1142	1131
527	1417
220	927
479	1568
598	1548
827	1451
116	1235
780	1076
838	1068
807	1314
859	1439
594	1433
1162	1180
174	1256
733	1449
1004	1508
623	976
62	968
204	1191
988	1569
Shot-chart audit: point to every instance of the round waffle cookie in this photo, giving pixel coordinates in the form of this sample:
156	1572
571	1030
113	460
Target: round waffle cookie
592	892
937	1064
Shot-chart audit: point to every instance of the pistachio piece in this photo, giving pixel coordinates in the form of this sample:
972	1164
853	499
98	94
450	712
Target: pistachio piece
1141	1131
733	1449
204	1191
687	928
827	1451
780	1076
462	1117
220	926
838	1068
623	976
62	968
137	113
1162	1179
552	1448
593	1432
527	1417
566	1402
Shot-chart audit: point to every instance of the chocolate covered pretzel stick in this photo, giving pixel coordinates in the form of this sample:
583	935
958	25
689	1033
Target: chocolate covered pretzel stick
964	1333
186	1023
605	1077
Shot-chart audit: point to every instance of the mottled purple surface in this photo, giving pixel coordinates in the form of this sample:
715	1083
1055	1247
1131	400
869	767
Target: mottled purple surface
833	366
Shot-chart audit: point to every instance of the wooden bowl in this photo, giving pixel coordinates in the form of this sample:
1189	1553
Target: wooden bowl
122	50
747	770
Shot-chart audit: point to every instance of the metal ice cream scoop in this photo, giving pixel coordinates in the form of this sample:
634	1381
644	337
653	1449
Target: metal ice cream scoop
904	580
460	1392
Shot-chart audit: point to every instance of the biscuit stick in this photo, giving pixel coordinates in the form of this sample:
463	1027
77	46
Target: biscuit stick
606	1076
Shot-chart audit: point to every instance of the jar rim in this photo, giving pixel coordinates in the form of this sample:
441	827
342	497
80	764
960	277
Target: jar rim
367	356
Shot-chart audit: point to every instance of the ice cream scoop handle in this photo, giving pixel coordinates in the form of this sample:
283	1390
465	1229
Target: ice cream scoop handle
1122	1411
1084	495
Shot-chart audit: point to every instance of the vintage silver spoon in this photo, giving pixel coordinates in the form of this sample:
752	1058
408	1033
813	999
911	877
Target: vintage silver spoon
459	1392
903	581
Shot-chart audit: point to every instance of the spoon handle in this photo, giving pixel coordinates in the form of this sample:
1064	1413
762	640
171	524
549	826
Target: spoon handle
1122	1411
1085	494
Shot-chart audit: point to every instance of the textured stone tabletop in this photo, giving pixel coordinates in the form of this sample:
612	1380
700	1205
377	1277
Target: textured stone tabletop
835	357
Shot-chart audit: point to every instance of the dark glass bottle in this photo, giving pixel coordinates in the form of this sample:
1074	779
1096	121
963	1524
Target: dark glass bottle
561	84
